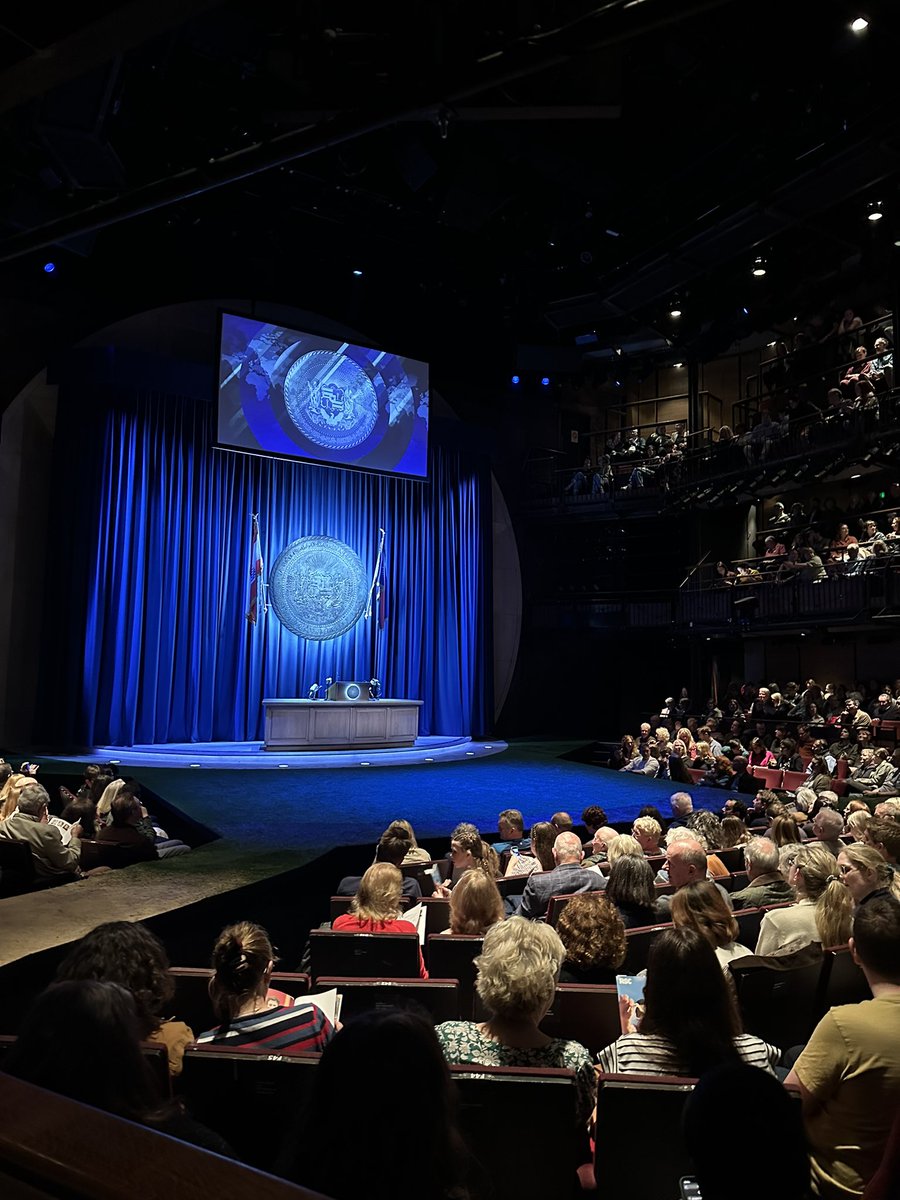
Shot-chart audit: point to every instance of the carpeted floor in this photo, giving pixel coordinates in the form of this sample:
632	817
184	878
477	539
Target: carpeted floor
316	809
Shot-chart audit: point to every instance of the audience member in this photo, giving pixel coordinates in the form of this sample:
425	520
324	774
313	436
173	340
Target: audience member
517	973
593	935
374	909
415	853
699	906
690	1022
647	832
475	904
822	912
630	888
125	814
393	846
827	827
380	1046
567	878
127	953
54	860
511	827
562	822
682	807
248	1018
865	874
82	1039
849	1071
766	885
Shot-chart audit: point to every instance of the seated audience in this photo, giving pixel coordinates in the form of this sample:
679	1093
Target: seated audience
517	974
562	822
475	904
468	852
415	853
125	812
630	888
822	912
53	860
849	1071
865	874
686	862
682	806
647	832
721	775
691	1022
543	835
127	953
12	788
592	932
766	884
375	908
393	846
511	827
709	1135
856	820
379	1046
883	834
645	763
699	906
249	1018
567	878
784	829
82	1039
734	832
827	827
623	845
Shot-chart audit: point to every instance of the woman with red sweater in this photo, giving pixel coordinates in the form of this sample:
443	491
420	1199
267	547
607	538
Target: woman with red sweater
376	906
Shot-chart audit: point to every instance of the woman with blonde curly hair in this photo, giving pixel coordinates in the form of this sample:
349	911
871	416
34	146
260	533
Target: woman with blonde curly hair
700	906
517	975
621	846
823	912
593	934
376	907
475	904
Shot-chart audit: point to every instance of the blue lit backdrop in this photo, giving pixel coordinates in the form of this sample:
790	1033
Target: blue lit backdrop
148	640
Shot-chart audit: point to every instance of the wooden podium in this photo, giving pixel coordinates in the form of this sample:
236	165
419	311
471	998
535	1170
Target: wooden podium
341	724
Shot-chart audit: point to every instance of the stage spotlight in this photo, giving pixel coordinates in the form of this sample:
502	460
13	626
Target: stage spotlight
859	25
515	379
49	267
357	272
746	312
759	266
675	310
874	210
545	382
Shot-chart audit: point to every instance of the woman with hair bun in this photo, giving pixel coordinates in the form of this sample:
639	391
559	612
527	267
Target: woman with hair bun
248	1017
823	912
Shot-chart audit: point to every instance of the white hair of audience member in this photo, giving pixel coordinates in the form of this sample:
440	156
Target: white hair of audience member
829	798
518	967
786	856
603	838
681	833
648	826
762	853
567	848
681	803
805	798
621	845
830	822
888	808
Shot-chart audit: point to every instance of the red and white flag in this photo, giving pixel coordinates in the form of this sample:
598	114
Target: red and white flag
256	573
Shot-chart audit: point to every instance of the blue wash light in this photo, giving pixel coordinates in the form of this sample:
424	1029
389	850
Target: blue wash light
49	267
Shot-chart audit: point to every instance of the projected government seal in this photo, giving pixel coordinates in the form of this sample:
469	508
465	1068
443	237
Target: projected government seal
318	588
330	399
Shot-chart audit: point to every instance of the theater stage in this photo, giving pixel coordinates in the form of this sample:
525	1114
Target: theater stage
244	756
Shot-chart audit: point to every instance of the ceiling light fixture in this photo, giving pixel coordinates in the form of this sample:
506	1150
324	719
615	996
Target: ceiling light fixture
859	24
875	211
759	266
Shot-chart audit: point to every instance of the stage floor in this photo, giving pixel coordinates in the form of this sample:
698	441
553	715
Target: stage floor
243	756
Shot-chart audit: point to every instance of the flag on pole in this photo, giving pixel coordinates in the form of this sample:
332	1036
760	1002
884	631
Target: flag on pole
256	572
381	592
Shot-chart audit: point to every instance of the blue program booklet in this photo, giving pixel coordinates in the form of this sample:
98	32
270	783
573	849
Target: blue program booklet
630	989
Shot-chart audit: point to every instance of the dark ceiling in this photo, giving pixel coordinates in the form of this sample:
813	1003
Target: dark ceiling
501	173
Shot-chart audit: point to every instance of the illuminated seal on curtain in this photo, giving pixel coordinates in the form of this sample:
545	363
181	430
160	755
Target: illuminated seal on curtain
330	399
318	588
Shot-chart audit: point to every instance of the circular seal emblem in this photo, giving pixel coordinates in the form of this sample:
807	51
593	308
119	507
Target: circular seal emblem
330	400
318	588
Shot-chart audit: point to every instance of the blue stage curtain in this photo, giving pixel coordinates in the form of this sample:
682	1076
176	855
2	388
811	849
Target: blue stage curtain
156	647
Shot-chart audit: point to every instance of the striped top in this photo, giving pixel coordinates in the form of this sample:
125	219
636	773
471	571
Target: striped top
303	1029
650	1054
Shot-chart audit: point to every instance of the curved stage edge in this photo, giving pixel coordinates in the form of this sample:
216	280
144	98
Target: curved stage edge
242	756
